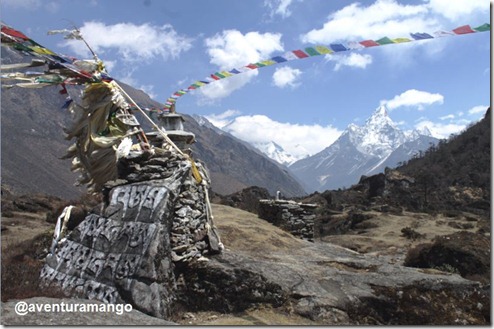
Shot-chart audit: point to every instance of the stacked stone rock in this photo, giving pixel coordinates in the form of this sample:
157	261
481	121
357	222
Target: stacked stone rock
294	217
156	214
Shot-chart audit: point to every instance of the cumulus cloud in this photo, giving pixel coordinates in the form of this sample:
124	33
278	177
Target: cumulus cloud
298	140
286	77
279	7
232	49
382	18
413	98
361	20
132	42
455	9
351	60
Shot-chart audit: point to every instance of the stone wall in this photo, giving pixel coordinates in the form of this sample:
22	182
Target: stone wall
156	216
294	217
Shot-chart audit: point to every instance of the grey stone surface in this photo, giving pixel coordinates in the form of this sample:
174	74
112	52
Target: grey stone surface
334	285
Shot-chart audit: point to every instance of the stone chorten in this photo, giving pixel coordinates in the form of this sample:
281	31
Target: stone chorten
156	216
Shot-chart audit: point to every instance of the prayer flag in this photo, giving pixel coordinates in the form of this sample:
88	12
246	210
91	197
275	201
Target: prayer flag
369	43
483	27
312	52
323	50
337	47
463	29
300	54
421	36
384	41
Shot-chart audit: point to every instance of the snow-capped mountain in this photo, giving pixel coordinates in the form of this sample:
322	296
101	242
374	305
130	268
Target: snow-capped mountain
360	150
275	152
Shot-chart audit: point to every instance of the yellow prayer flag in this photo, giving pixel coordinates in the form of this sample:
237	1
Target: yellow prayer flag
323	50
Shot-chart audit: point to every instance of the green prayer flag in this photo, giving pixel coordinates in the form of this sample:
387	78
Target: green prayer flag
384	41
483	27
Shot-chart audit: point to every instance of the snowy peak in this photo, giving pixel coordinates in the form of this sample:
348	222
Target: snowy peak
275	152
360	150
379	136
379	119
424	131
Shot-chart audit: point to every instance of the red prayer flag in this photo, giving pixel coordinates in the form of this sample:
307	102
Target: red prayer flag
463	29
13	33
369	43
300	54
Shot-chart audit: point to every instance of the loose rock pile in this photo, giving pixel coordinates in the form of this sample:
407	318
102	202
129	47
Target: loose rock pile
155	215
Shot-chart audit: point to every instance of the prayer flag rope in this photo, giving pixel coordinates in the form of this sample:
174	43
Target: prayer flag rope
321	50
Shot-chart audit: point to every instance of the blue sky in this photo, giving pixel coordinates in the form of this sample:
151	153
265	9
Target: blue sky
303	105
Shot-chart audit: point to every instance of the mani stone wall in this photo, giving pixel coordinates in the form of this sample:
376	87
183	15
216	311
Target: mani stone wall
294	217
155	217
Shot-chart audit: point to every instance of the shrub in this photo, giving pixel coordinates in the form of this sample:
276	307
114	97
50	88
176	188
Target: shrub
411	234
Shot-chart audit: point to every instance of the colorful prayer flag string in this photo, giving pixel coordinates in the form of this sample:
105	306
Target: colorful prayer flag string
324	50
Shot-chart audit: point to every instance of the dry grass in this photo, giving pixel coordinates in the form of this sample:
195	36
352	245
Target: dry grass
386	237
245	232
25	239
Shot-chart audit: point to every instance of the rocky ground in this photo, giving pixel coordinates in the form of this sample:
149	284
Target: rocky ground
323	279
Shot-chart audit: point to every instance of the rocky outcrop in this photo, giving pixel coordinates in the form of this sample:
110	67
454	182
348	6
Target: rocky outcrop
335	286
294	217
156	215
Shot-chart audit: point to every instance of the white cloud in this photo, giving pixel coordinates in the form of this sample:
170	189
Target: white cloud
455	9
232	49
365	20
352	60
286	76
279	7
132	42
298	140
447	117
413	97
382	18
440	130
222	119
478	109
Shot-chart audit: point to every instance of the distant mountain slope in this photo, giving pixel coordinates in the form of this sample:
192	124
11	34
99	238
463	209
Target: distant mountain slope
458	171
360	150
33	141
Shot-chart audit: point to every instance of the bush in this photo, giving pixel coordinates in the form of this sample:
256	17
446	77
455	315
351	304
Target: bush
411	234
